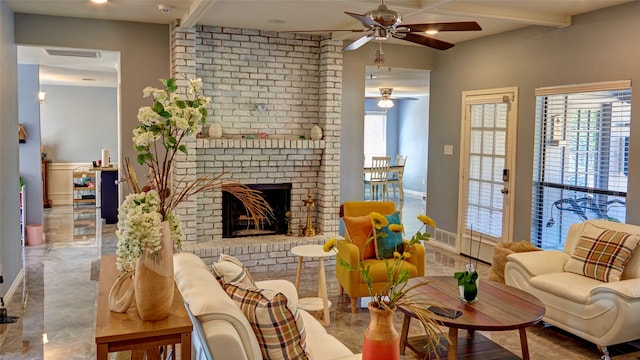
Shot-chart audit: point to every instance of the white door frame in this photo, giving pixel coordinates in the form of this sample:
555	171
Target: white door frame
487	96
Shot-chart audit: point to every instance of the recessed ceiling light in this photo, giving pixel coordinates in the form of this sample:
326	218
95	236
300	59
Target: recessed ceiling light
165	9
99	1
276	21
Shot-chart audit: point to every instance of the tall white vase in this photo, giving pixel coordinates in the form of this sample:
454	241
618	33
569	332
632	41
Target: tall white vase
153	280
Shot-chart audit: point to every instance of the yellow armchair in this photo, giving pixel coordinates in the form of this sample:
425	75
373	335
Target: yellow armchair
351	281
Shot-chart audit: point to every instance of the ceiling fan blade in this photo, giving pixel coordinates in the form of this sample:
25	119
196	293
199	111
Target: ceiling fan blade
448	26
365	20
356	44
324	31
424	40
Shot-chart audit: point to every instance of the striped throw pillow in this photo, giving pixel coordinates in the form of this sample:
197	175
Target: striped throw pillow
232	271
279	335
602	254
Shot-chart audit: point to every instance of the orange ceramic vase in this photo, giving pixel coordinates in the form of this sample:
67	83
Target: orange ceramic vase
381	340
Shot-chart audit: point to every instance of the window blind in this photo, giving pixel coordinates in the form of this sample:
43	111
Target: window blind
581	158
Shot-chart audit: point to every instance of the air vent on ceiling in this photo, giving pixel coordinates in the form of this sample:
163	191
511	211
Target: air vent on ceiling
74	53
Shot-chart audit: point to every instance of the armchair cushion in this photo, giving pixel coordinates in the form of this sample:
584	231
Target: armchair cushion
387	241
601	253
359	229
378	269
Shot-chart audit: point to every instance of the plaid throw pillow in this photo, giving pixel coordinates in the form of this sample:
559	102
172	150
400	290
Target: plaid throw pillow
279	335
602	254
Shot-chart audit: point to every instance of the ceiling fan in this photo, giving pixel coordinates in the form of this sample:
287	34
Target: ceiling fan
384	23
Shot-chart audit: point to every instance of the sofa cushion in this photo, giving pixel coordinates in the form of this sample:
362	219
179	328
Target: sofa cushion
574	287
232	271
388	241
359	229
602	253
272	321
208	301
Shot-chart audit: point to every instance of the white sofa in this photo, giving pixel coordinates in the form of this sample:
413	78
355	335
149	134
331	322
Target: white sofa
604	313
222	332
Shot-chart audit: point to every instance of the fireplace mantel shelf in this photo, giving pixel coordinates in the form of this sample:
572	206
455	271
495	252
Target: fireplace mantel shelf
203	143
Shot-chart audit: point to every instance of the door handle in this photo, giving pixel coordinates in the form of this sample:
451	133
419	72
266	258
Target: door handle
504	191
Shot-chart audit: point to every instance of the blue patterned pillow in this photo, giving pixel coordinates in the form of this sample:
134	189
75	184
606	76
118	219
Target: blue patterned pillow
387	241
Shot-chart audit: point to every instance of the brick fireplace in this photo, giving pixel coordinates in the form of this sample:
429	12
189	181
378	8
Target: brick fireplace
257	162
236	222
268	89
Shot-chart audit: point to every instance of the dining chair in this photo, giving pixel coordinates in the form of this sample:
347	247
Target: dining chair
396	176
378	177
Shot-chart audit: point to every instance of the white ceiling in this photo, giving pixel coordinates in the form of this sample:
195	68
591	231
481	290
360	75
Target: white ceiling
494	16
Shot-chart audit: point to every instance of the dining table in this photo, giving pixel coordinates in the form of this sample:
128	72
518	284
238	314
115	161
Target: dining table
394	169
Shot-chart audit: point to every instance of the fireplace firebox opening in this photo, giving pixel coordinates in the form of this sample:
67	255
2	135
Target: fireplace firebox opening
236	222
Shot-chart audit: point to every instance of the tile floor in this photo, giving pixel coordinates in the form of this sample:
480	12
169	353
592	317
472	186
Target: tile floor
57	305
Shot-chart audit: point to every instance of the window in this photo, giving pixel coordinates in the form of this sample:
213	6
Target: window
375	136
581	159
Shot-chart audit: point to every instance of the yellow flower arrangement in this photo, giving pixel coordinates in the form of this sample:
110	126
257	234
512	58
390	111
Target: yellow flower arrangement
397	292
379	221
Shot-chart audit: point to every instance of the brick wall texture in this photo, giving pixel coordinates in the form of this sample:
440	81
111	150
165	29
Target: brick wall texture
279	84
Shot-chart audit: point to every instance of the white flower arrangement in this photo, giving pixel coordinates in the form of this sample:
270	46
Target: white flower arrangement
163	127
139	228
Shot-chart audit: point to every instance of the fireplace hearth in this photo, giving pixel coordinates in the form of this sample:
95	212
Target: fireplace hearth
236	222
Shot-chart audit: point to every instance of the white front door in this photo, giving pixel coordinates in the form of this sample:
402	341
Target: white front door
486	170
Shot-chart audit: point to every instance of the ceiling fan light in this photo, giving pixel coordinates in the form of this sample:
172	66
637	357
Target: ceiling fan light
380	34
431	32
385	103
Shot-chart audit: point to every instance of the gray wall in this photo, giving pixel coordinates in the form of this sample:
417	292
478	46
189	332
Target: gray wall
414	139
30	164
77	122
599	46
353	105
10	246
144	58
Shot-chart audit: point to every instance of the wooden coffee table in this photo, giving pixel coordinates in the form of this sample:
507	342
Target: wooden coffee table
499	308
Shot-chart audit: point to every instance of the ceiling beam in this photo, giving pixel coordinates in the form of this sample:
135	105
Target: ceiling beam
524	17
195	12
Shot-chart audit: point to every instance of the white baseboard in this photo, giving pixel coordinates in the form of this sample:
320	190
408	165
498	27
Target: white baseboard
14	286
415	194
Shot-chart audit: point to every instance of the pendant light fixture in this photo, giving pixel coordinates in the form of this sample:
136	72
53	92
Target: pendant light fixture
385	102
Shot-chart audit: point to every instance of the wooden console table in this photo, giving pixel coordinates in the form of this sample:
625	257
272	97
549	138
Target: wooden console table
120	332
